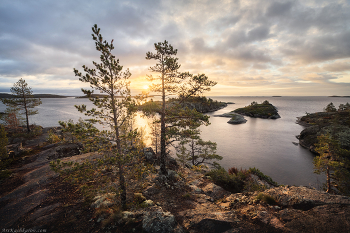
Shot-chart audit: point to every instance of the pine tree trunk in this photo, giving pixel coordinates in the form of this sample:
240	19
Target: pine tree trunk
328	180
162	136
122	185
26	112
119	151
121	172
192	152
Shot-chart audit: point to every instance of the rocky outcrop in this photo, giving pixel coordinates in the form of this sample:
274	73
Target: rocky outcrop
264	110
205	108
322	123
154	158
186	201
155	220
235	118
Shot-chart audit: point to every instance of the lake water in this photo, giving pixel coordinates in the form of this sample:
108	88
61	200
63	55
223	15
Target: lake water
261	143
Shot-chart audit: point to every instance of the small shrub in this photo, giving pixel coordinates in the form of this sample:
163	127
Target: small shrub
187	196
53	138
232	170
262	176
229	182
254	103
242	174
5	174
3	143
266	198
251	186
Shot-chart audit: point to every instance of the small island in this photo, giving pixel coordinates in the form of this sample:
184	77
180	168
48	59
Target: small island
264	110
201	104
235	118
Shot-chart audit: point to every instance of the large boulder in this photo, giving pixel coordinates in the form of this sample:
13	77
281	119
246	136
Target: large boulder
65	150
237	119
154	158
155	220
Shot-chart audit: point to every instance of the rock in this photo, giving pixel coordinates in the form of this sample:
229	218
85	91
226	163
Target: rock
215	191
304	198
21	207
157	221
173	176
149	155
151	190
237	119
212	226
228	114
195	189
103	200
65	150
148	203
15	150
308	137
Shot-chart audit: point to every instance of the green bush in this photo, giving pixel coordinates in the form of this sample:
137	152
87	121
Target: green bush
266	198
227	181
5	174
262	176
53	138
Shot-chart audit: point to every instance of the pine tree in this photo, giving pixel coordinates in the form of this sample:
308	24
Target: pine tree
198	152
176	120
328	161
23	100
116	107
330	108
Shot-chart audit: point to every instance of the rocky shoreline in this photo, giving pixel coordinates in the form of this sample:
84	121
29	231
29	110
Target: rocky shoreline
34	197
320	123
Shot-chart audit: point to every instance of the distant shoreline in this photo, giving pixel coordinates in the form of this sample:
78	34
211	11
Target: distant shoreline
9	96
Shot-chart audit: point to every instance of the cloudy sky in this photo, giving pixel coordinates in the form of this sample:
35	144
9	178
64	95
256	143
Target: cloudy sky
250	47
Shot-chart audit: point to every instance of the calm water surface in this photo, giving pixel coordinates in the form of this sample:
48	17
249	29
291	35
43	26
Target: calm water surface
261	143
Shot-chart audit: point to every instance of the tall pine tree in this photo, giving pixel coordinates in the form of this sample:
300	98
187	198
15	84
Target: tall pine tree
116	107
23	100
176	120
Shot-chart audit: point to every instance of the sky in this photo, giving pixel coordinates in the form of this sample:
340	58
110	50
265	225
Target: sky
249	47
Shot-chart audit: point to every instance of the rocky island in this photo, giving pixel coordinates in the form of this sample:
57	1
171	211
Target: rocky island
264	110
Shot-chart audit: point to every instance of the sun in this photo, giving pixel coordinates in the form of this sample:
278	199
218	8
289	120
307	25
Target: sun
145	87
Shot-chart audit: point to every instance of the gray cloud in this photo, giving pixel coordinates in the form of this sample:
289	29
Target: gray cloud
224	39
